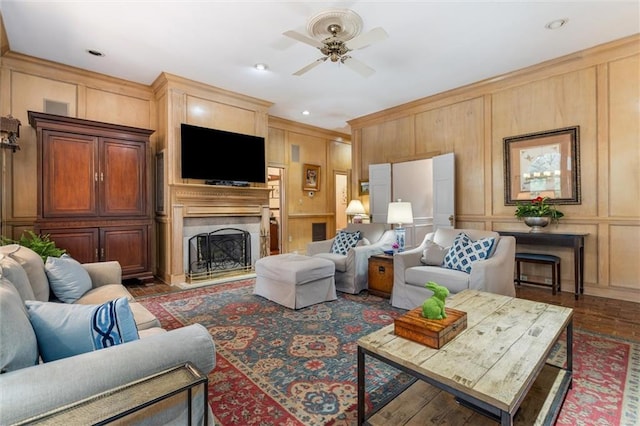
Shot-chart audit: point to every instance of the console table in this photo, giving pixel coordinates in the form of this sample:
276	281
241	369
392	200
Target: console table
575	241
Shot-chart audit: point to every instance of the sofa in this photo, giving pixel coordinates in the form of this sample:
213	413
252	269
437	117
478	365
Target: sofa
37	376
412	269
352	267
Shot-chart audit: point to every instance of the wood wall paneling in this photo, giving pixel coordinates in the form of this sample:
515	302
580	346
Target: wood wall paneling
623	257
117	108
276	148
458	128
313	150
217	115
28	92
386	141
339	155
331	151
553	103
624	137
597	89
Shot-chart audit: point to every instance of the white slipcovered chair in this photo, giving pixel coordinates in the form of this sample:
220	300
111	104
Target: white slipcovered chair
412	269
352	269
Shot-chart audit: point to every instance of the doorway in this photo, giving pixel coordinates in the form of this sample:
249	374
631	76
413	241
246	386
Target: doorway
275	209
341	182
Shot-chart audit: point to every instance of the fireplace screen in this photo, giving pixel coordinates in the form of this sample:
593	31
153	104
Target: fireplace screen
219	252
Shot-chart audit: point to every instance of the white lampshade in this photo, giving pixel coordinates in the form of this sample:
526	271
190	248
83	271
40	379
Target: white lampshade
355	207
400	212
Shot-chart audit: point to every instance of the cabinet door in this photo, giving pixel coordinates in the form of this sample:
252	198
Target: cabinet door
69	184
122	178
81	243
129	246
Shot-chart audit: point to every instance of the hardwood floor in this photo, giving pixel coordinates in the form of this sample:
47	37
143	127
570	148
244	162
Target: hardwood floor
608	316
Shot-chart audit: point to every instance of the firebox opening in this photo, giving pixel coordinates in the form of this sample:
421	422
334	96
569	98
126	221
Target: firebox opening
221	252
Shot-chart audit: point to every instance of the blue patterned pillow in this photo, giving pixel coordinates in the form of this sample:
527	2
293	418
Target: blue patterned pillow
464	252
63	330
344	241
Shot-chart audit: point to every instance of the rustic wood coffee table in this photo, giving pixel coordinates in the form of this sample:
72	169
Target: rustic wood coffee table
492	365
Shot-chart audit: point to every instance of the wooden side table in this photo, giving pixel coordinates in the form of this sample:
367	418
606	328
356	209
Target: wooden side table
381	275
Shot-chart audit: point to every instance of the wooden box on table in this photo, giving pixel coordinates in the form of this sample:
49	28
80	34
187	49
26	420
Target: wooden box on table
433	333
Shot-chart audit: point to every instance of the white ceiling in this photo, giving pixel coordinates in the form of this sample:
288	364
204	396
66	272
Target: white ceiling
433	46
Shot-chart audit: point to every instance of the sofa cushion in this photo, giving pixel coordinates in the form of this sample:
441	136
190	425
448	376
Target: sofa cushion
104	293
455	281
34	267
433	254
344	241
65	330
18	346
67	278
143	318
340	260
464	252
16	274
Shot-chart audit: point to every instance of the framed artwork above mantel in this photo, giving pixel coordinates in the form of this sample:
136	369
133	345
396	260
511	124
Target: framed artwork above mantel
543	164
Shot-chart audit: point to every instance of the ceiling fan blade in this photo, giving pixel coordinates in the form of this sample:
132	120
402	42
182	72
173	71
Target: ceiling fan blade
304	39
359	67
310	66
366	39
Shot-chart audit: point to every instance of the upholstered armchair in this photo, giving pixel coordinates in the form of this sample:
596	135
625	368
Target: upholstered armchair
352	268
412	269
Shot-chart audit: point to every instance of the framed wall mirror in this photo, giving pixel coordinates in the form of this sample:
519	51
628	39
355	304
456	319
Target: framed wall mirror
544	164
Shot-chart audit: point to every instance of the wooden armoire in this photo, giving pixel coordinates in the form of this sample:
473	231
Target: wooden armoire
94	191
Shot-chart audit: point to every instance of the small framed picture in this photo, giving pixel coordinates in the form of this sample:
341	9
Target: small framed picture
363	187
310	177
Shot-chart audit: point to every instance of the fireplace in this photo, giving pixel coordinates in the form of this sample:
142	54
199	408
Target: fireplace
202	209
219	252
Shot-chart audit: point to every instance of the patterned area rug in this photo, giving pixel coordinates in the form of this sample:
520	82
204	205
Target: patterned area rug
276	366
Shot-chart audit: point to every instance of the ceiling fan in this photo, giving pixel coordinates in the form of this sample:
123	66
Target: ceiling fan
342	40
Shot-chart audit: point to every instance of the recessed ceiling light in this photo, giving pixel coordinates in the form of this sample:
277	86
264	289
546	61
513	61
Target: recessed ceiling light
261	67
305	112
558	23
95	52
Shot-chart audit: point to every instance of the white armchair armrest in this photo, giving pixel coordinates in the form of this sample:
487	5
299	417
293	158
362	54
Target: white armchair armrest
103	273
495	274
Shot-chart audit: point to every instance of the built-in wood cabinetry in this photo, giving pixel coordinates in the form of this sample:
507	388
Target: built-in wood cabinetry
93	194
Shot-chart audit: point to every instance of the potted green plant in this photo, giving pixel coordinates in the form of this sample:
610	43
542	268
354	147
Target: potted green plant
41	244
538	213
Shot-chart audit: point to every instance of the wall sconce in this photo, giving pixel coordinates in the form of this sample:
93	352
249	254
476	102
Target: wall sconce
400	212
355	209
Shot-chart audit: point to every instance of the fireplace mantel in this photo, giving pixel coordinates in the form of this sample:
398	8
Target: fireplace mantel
202	201
210	200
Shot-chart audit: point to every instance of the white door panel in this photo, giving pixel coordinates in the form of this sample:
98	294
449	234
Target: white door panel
379	191
444	191
412	182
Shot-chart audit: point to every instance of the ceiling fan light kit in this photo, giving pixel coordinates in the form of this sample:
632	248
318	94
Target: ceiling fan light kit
340	30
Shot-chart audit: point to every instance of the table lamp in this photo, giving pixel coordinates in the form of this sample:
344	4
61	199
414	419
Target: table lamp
355	209
400	212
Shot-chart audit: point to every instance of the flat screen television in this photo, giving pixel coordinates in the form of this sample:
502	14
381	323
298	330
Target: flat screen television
221	157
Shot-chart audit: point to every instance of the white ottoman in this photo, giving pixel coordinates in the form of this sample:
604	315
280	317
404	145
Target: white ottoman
294	280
